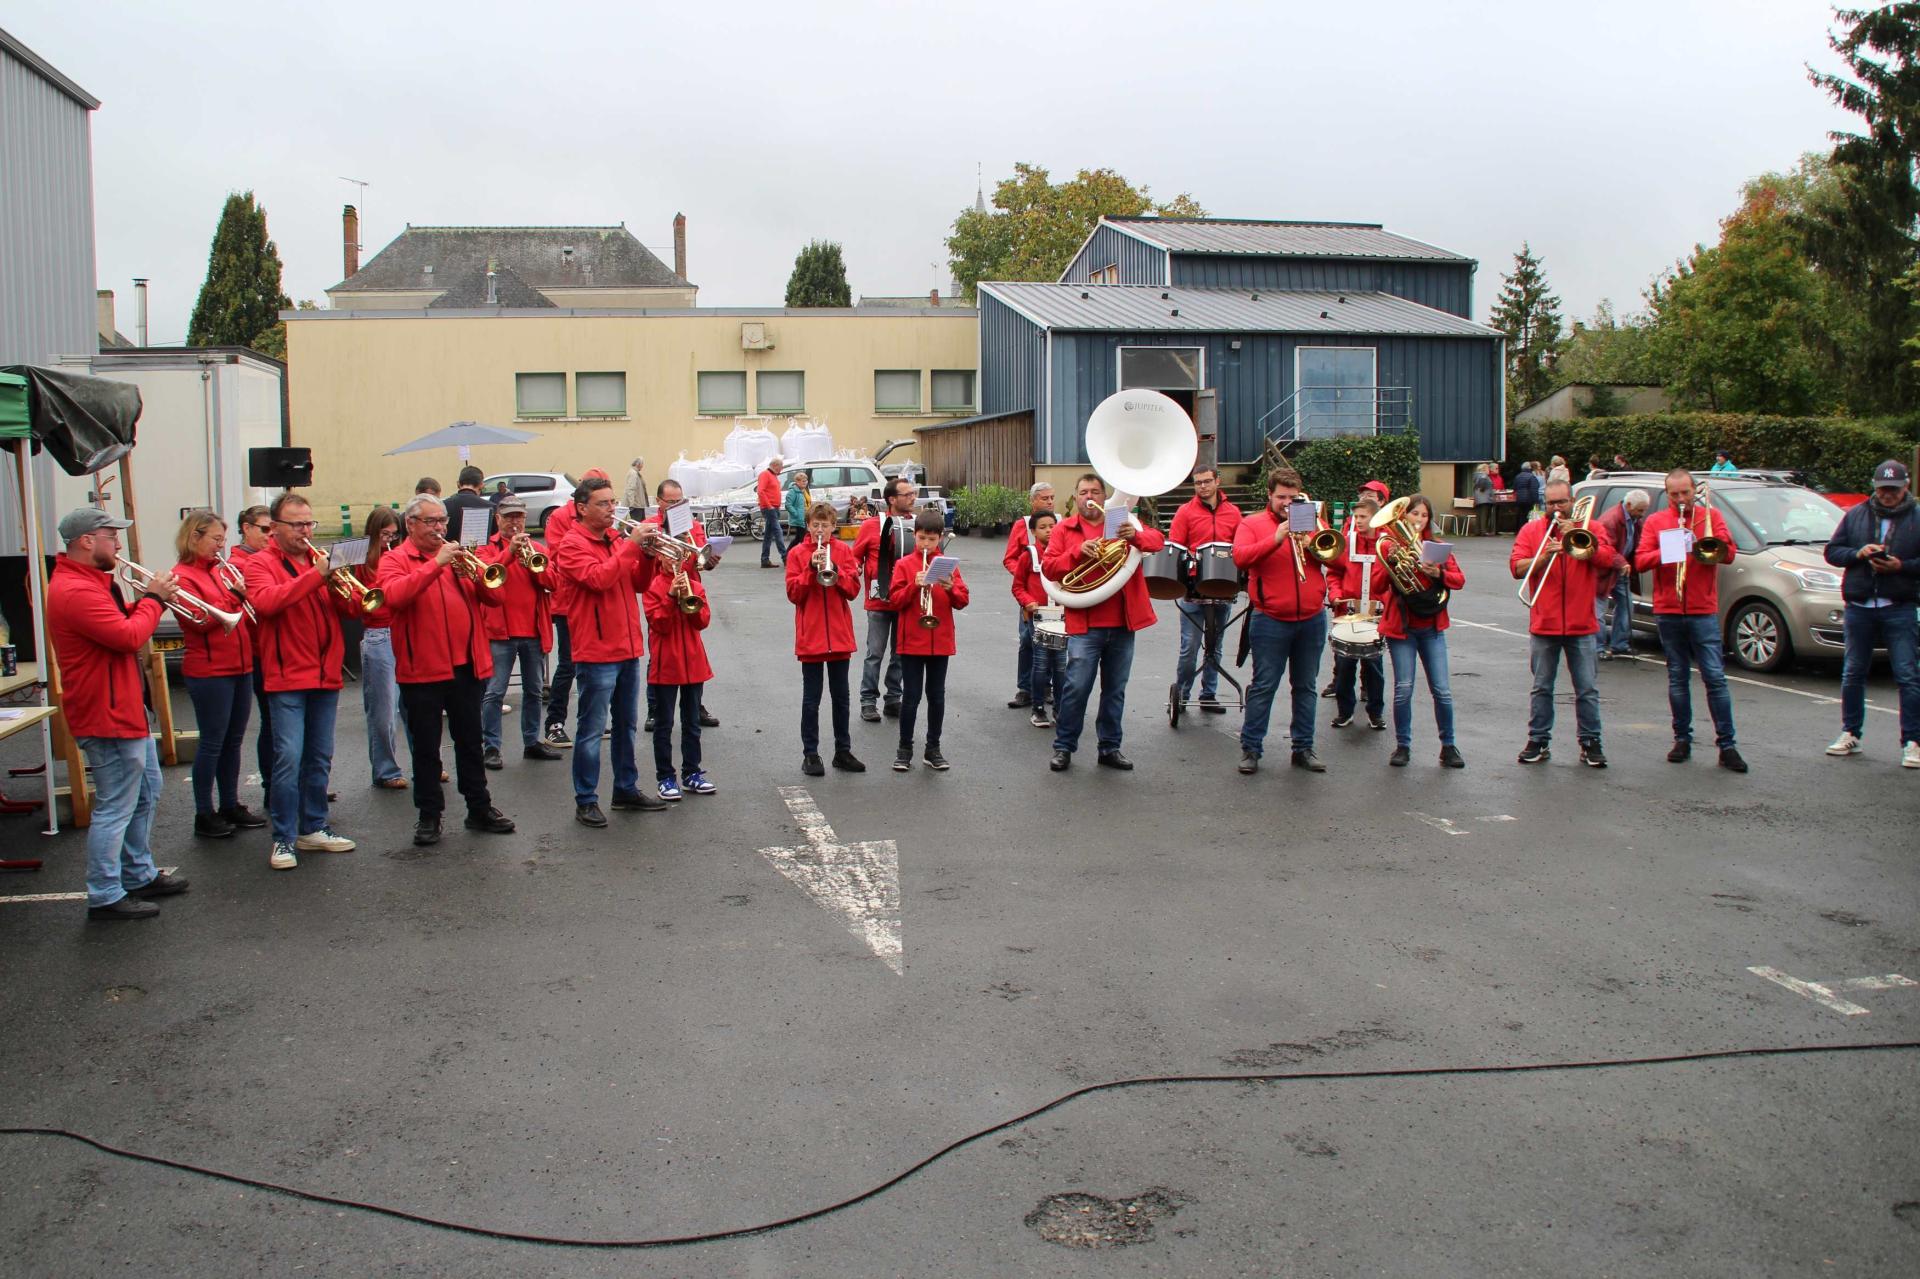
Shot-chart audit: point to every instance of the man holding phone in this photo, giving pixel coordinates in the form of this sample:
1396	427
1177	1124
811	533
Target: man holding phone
1878	545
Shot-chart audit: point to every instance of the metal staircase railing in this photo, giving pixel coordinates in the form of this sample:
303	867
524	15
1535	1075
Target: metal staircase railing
1324	412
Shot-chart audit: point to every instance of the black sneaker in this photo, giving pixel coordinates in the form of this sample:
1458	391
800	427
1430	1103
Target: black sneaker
1020	700
165	884
556	736
1327	691
812	767
638	800
240	817
1061	761
903	759
590	815
1378	723
1592	756
893	710
1308	760
1341	721
426	830
1681	753
1450	757
540	750
491	758
1535	753
1212	706
1400	758
125	908
935	760
869	712
1731	761
211	826
846	763
1249	762
648	726
489	821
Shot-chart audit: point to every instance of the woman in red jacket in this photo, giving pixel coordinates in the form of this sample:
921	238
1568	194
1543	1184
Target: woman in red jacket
1416	632
379	692
218	665
823	638
677	671
924	650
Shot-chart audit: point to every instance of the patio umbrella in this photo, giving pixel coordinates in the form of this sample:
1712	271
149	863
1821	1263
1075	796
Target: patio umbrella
465	435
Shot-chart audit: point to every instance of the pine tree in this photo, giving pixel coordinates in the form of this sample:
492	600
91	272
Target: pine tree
819	277
1528	312
239	304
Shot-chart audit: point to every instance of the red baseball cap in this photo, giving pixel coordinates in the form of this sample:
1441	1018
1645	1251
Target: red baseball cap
1378	487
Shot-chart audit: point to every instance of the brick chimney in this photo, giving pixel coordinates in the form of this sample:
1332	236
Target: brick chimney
680	245
103	314
350	241
933	298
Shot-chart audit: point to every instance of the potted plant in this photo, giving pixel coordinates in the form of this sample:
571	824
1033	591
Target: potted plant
966	509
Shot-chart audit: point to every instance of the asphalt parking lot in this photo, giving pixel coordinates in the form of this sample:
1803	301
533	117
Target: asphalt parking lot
653	1030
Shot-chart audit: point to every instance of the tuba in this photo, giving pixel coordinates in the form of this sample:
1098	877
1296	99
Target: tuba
1420	595
1138	442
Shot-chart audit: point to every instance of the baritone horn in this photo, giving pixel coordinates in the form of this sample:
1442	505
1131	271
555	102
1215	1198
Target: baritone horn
185	606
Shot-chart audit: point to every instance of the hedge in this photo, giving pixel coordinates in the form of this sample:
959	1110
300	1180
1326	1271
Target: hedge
1838	454
1333	470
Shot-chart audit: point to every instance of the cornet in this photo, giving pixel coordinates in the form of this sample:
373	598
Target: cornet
188	608
228	574
472	567
927	620
346	584
823	570
682	590
534	561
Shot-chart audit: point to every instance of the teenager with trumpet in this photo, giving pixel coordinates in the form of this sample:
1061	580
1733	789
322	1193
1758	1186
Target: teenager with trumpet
1561	559
1686	611
519	632
675	602
669	494
218	666
823	579
1415	621
925	637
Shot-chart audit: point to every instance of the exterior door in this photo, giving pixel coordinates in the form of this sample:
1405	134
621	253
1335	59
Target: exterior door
1335	390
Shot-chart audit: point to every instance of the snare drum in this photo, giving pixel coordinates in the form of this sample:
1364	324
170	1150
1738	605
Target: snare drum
1165	572
1050	627
1214	574
1356	637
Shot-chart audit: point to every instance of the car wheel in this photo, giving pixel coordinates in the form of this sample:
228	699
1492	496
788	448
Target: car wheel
1757	637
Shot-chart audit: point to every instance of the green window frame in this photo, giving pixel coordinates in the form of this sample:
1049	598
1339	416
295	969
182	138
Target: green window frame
540	395
890	390
953	390
773	392
721	392
600	394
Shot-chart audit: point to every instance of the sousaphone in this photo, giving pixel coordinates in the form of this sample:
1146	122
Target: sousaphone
1140	443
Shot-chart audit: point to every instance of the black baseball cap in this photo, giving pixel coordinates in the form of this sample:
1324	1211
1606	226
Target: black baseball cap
1890	474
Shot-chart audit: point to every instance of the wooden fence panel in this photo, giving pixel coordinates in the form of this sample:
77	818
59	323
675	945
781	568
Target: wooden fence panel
988	450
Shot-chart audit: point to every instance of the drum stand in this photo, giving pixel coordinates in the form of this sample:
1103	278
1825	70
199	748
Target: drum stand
1213	636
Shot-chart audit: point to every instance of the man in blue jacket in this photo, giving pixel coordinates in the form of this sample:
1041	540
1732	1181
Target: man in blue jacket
1878	544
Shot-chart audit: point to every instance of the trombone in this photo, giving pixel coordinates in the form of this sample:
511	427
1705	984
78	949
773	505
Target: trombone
1325	545
228	574
345	583
1577	541
1706	548
185	606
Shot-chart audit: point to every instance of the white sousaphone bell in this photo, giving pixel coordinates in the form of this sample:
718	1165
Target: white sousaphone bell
1140	443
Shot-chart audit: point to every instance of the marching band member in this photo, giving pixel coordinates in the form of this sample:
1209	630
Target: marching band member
1413	638
1288	628
300	650
1018	552
602	574
669	493
1343	591
1099	639
823	637
677	670
256	529
1689	624
443	662
1205	517
1563	621
1048	674
218	666
924	648
883	541
560	522
520	631
97	642
379	691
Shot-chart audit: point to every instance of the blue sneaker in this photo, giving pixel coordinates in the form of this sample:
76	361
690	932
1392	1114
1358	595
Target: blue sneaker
697	783
669	788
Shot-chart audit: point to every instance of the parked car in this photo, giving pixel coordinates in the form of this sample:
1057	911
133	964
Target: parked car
543	492
1779	598
836	480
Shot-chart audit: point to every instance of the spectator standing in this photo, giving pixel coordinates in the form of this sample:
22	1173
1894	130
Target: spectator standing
634	496
1483	501
767	495
1722	463
1526	490
1622	526
469	498
1878	544
1558	472
426	486
794	508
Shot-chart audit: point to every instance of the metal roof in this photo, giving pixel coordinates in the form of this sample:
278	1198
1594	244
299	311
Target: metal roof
1248	237
1151	309
47	71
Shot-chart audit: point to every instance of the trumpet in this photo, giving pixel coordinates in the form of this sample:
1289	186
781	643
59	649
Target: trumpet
472	567
1707	548
682	590
675	551
188	608
346	584
927	620
1577	541
823	570
534	561
228	574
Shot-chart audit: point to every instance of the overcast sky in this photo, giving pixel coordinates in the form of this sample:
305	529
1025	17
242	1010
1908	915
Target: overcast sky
1613	137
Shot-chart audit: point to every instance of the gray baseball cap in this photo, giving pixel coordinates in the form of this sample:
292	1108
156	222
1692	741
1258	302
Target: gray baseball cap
509	504
88	519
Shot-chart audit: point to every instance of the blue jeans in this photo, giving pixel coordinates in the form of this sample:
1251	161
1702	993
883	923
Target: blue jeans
1023	660
1618	637
661	700
830	676
533	678
604	687
1048	676
1688	640
562	685
772	540
222	705
882	627
1106	653
1279	648
1193	620
302	760
263	737
380	698
1894	628
1427	645
126	788
1582	652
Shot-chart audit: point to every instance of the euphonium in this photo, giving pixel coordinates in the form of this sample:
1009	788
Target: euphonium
346	584
187	607
1420	595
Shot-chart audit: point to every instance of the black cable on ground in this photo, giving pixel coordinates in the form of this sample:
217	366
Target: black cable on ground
1111	1085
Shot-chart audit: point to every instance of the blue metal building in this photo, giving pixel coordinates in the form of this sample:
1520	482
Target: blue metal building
1293	330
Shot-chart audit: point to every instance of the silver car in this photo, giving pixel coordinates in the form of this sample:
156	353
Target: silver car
543	491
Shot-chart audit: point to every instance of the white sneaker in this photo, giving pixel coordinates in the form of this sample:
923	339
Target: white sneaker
1910	755
283	858
1845	744
324	840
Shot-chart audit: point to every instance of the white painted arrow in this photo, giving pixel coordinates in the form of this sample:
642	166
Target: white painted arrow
1824	992
859	882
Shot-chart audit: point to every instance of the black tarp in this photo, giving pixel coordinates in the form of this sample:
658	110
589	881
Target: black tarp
85	423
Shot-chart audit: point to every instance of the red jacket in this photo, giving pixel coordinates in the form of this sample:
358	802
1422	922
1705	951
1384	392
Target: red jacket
1395	621
679	656
561	520
1027	586
526	601
1274	580
602	576
97	642
822	616
369	573
696	535
437	617
1195	526
1017	539
298	644
767	490
211	650
1345	587
1565	606
866	549
1703	585
1130	606
1614	525
910	639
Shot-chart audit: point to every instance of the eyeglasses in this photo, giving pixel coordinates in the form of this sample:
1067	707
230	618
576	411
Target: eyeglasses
431	521
260	528
300	526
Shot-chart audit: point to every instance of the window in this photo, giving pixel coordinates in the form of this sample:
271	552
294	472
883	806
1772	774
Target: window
600	394
781	392
897	391
1109	274
530	483
1161	368
952	390
1335	392
722	393
828	477
540	394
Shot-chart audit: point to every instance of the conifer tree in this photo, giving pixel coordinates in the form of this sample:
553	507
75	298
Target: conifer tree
240	302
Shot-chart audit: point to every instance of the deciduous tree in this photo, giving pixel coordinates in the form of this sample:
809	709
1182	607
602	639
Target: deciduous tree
819	277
